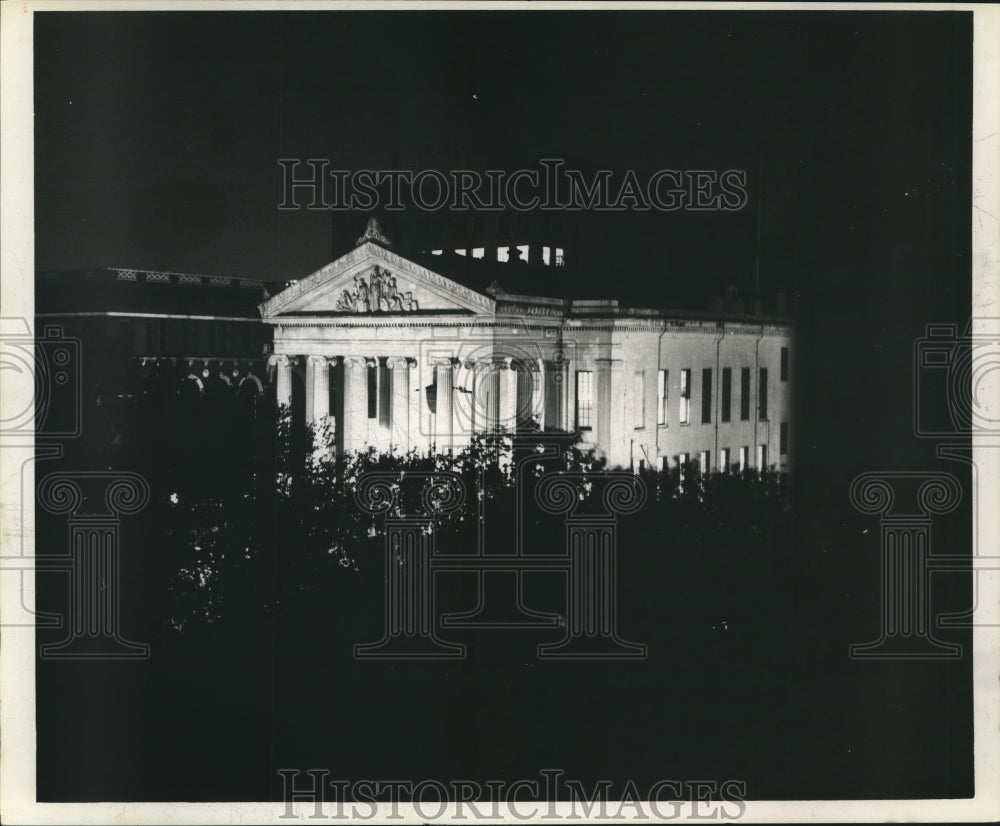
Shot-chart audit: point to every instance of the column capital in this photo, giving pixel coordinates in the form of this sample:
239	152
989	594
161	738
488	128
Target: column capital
354	362
321	360
400	361
444	361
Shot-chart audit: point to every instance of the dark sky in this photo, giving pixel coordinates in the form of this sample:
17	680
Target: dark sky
158	134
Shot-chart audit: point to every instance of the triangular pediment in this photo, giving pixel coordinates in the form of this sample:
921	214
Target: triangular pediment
372	279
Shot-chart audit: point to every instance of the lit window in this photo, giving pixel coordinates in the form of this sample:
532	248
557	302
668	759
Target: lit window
584	399
705	461
560	259
762	457
478	252
503	254
724	459
744	458
640	399
523	249
460	252
546	255
662	383
685	414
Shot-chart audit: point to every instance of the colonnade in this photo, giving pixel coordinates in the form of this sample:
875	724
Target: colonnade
397	402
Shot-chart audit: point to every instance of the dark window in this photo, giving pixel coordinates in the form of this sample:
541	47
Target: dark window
727	392
706	395
161	341
372	391
784	364
762	391
783	439
385	391
745	393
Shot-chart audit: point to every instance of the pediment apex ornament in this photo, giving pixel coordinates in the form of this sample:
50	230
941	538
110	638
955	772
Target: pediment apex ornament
373	232
376	293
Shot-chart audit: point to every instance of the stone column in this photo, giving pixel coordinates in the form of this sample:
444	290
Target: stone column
443	376
355	415
609	410
507	385
418	437
486	395
283	380
310	370
465	416
399	403
569	396
369	431
539	394
318	402
317	388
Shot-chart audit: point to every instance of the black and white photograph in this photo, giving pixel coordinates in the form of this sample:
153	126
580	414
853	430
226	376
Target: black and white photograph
499	412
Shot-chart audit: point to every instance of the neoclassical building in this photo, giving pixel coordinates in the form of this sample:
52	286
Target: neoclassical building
419	351
398	355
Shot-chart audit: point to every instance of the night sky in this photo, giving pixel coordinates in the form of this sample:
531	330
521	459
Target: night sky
158	134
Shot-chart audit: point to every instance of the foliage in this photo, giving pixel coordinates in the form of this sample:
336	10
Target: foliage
251	512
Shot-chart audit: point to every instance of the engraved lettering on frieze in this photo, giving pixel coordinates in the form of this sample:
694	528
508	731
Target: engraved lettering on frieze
376	293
